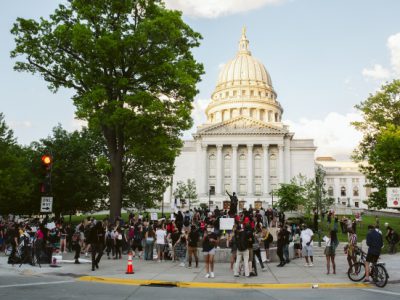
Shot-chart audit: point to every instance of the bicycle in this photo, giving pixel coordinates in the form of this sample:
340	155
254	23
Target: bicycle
379	275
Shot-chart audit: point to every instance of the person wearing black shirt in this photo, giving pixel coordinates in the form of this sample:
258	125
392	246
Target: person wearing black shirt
280	245
97	240
193	240
13	237
209	243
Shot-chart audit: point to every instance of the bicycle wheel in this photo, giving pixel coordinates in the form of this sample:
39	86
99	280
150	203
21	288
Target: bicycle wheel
379	276
356	272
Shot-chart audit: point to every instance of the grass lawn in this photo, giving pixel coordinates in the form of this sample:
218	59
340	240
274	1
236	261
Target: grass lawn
362	229
78	219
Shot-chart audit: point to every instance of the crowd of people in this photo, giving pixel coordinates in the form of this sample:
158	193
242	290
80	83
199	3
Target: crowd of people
178	238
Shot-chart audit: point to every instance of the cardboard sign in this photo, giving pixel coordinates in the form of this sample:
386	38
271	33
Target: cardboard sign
154	216
226	223
46	205
393	197
51	225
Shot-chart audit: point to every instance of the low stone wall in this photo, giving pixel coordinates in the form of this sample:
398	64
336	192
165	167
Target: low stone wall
223	255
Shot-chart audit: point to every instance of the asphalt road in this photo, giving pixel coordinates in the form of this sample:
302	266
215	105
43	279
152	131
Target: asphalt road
64	287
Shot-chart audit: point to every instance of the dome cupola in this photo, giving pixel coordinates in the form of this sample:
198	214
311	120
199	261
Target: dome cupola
244	87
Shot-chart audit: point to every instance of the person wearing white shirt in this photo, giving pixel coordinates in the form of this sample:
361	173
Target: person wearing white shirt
160	242
306	237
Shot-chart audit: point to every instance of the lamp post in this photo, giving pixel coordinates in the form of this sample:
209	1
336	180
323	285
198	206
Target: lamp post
209	199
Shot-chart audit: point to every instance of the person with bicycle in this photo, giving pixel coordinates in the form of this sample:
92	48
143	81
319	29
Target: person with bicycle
375	244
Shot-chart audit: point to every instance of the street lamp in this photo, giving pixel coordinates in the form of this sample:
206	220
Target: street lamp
209	199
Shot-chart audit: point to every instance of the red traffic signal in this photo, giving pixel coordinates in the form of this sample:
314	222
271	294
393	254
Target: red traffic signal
46	160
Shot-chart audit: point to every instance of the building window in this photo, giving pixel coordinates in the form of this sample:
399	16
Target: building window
242	189
330	191
212	190
212	165
257	166
234	93
355	181
227	187
227	166
342	180
251	93
272	165
356	204
355	191
257	189
226	94
242	166
343	191
243	92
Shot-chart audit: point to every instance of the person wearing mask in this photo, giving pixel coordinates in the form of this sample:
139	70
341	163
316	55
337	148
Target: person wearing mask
331	244
210	240
97	239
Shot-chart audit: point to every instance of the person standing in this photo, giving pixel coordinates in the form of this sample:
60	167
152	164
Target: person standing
280	243
242	251
288	238
150	237
160	242
330	251
97	239
268	239
351	248
193	240
392	238
306	237
375	244
76	246
209	243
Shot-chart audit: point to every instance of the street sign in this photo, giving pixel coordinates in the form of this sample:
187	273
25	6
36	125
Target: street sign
46	205
393	197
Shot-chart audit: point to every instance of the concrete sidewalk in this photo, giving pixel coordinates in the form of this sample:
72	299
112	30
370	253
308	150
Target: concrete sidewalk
292	273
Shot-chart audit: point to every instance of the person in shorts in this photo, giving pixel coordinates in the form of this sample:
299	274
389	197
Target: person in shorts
306	237
375	244
210	240
160	242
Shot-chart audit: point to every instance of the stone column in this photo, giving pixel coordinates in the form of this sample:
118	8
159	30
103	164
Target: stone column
249	169
281	164
266	169
234	167
203	170
218	188
287	161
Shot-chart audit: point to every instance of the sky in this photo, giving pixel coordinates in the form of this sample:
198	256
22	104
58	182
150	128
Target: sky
324	57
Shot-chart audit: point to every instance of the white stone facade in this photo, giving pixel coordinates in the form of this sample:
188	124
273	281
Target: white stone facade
344	182
243	147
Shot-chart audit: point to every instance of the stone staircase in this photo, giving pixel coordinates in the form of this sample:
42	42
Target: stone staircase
319	251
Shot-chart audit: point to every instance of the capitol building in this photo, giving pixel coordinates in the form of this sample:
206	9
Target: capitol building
243	146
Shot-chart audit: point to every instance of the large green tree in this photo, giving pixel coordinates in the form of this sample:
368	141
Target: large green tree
186	191
378	151
78	184
17	184
132	70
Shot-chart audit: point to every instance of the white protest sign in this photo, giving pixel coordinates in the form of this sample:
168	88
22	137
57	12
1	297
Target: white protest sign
226	223
51	225
393	197
172	217
46	205
154	216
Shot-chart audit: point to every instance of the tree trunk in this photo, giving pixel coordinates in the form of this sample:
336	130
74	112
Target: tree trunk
116	186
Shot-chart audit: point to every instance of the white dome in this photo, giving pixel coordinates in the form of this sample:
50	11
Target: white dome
244	69
244	87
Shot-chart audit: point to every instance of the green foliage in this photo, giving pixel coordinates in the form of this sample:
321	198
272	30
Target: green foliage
186	191
378	152
291	195
134	76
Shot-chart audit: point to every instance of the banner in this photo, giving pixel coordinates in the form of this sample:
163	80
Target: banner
154	216
393	197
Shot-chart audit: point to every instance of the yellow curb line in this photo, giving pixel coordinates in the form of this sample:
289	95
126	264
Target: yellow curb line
221	285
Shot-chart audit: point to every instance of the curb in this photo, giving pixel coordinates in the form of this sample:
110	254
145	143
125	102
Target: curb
219	285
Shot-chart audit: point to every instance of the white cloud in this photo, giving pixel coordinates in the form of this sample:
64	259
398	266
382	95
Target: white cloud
198	115
333	135
20	124
377	73
380	73
394	48
217	8
77	124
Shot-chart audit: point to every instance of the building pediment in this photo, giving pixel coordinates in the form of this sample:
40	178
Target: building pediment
243	126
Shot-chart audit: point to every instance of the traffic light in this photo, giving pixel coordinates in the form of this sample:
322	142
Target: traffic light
45	186
47	161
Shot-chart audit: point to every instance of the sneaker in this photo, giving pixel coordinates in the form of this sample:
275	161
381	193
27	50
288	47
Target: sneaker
236	275
182	264
264	269
306	265
86	254
207	275
311	265
212	275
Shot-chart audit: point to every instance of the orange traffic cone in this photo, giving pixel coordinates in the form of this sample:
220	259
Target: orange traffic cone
129	268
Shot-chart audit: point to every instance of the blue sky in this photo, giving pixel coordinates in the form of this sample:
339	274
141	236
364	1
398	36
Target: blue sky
323	56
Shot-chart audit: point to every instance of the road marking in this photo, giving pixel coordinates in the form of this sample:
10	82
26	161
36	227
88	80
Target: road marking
220	285
35	283
382	292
